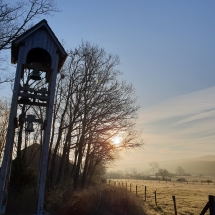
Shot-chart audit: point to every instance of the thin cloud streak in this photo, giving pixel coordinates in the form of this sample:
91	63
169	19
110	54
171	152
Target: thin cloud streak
204	115
180	125
185	105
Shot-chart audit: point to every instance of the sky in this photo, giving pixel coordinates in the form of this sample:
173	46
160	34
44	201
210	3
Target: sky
167	51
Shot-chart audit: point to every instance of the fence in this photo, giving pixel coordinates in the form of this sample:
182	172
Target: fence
147	194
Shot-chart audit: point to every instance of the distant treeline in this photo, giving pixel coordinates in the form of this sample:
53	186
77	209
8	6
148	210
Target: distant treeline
197	168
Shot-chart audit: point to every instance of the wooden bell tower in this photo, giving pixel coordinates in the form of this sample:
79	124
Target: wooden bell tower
37	52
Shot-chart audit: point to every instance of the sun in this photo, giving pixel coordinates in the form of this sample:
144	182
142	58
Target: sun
116	140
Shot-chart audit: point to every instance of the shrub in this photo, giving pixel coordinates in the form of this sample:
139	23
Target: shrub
101	200
181	180
206	181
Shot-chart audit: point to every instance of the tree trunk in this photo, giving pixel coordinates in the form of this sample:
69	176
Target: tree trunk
78	166
21	123
85	166
62	164
53	160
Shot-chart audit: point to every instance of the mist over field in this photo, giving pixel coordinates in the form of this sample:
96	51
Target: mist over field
195	166
203	165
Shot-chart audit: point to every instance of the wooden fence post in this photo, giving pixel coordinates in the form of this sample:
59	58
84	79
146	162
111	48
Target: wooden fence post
174	201
136	190
155	198
212	204
145	193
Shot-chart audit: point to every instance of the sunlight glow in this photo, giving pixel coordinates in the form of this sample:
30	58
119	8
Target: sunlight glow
116	140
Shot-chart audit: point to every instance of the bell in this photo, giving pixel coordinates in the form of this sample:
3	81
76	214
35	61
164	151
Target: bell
35	75
30	127
24	100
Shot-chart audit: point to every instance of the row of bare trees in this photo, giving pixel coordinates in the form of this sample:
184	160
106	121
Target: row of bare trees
91	107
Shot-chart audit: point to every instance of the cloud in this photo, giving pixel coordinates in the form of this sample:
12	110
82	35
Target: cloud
182	124
181	106
199	116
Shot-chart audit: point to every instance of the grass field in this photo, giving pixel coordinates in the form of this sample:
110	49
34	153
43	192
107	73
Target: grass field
190	197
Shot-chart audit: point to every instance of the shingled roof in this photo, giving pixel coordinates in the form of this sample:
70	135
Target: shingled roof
41	25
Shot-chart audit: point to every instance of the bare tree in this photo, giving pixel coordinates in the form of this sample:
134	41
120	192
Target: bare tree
179	171
4	115
16	19
153	167
163	173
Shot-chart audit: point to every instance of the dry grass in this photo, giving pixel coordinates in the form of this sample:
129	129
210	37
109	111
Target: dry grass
190	198
103	200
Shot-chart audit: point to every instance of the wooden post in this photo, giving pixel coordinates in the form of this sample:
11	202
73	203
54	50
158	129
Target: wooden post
145	193
212	204
155	199
7	159
174	201
130	187
136	190
126	185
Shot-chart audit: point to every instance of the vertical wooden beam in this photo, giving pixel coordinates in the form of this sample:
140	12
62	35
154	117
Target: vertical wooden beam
6	163
45	151
174	202
145	193
155	198
136	190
